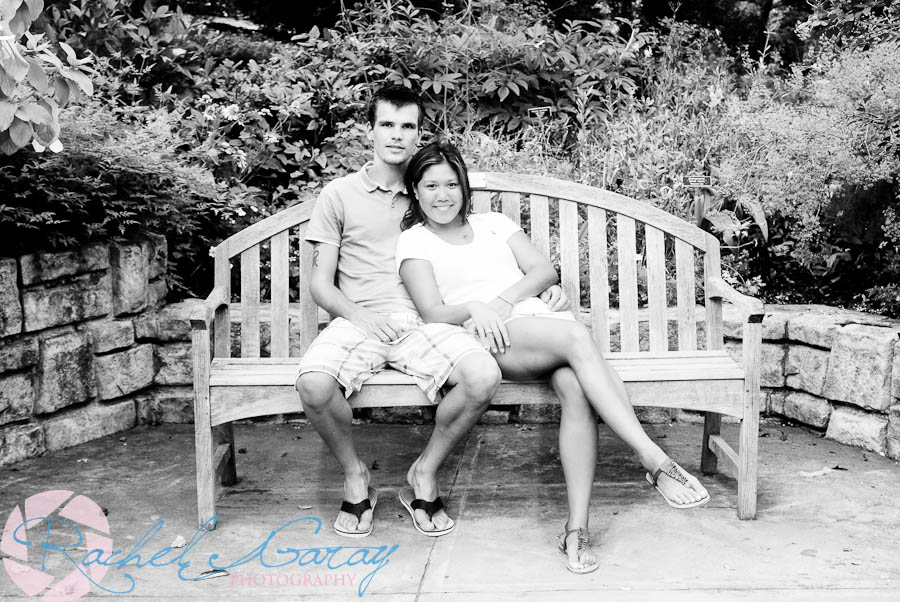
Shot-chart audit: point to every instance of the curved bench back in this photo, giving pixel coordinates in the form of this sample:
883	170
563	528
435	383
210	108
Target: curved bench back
607	247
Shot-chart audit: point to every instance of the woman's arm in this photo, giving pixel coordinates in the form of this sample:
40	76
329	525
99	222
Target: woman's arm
418	277
539	272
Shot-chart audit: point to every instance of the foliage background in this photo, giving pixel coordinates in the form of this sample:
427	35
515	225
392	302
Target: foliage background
198	125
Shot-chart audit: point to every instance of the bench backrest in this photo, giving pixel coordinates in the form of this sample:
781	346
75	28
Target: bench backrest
605	245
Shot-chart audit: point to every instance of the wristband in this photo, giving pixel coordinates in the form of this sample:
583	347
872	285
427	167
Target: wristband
502	298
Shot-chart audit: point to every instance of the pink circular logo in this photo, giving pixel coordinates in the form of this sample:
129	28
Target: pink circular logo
47	543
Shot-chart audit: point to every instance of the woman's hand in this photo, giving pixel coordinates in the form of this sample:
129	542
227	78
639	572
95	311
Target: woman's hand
489	327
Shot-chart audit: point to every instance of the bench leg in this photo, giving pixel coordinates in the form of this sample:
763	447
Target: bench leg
749	437
709	461
224	434
203	432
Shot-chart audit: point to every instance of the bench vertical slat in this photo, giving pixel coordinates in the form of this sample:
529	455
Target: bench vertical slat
540	223
628	293
309	311
250	302
222	323
656	288
712	267
568	252
712	422
687	319
599	275
280	289
511	206
481	201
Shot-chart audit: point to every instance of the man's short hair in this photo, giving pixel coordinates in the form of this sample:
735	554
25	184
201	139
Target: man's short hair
397	95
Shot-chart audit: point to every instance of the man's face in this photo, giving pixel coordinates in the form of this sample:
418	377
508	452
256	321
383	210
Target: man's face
395	133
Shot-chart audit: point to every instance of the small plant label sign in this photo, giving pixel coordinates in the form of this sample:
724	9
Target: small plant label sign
696	181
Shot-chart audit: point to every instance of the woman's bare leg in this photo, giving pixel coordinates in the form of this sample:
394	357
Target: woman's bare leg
542	345
578	455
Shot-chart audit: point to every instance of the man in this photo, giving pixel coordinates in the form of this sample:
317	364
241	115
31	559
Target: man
354	230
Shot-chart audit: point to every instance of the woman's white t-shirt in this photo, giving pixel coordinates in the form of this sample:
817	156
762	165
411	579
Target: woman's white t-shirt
477	271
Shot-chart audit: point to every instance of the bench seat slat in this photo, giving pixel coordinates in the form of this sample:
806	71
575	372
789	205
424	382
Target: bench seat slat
236	403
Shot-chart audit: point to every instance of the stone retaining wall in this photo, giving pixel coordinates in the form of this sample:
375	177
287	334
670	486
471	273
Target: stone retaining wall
73	365
87	348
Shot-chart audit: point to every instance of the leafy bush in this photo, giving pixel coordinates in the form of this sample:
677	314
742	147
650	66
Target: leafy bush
115	181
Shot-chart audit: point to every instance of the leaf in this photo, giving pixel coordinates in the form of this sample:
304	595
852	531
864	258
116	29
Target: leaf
35	8
61	91
759	216
71	57
7	113
20	132
37	77
503	92
34	113
82	80
12	62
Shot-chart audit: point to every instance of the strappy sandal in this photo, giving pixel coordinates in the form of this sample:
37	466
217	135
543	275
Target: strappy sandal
357	510
584	540
672	470
406	496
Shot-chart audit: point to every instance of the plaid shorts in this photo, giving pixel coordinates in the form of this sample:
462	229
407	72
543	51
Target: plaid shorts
427	352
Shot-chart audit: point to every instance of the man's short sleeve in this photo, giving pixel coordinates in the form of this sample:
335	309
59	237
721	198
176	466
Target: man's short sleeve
327	221
412	244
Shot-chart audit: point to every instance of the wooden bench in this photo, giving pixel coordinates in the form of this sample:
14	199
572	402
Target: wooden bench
669	354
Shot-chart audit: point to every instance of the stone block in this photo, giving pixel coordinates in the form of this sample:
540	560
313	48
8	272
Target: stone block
42	267
651	415
65	373
816	328
807	409
156	247
775	322
775	401
88	423
893	434
166	405
774	325
87	296
156	293
806	368
772	358
859	368
495	417
539	413
174	364
398	415
21	442
18	353
10	306
130	274
851	426
109	335
895	373
124	372
16	397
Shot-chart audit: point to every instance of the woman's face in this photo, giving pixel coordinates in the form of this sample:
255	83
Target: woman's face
440	194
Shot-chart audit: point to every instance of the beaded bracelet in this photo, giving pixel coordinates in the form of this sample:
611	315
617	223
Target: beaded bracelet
502	298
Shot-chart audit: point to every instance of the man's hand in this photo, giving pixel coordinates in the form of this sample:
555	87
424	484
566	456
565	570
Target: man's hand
555	298
376	325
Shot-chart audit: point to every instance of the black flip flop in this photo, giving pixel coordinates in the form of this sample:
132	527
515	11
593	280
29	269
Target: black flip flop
357	510
430	508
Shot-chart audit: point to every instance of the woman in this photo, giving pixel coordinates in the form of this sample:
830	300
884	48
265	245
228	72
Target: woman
482	271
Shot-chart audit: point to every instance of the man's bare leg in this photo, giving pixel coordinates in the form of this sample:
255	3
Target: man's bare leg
331	416
474	381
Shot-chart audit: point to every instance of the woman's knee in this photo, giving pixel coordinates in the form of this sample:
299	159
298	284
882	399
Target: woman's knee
316	389
580	341
572	400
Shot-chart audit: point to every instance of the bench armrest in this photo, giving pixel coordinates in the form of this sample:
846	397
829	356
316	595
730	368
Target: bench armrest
202	316
752	308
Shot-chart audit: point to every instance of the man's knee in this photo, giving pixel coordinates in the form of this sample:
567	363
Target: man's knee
479	376
316	389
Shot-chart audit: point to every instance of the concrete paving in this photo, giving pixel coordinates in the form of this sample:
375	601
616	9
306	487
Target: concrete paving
827	525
